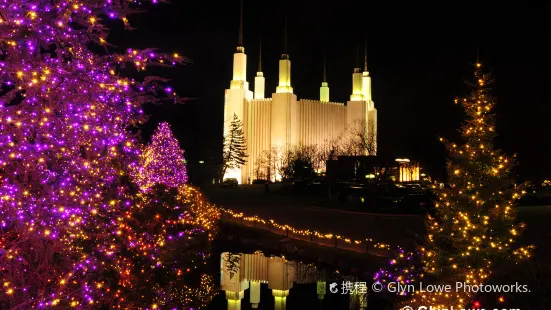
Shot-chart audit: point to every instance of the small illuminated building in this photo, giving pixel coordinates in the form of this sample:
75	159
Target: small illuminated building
357	168
408	170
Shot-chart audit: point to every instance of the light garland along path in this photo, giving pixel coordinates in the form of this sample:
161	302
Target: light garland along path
325	239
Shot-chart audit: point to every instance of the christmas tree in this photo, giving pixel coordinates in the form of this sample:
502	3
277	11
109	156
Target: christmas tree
474	229
235	147
162	161
180	224
69	231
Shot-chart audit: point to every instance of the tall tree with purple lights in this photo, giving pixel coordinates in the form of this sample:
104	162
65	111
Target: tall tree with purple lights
67	233
162	161
474	228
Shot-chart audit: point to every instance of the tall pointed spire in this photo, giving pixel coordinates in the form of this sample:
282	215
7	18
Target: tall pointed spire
260	55
366	79
284	85
357	77
357	55
240	39
365	54
285	53
324	89
324	68
259	80
240	60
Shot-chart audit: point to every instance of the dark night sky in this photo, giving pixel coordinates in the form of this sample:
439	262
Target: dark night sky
418	57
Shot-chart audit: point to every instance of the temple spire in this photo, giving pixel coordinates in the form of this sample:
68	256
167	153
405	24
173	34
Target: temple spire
366	79
284	85
324	68
285	54
259	80
285	38
260	55
240	39
365	54
324	89
357	55
240	60
357	78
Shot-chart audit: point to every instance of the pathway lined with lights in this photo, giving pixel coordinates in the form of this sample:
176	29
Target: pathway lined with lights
294	216
365	245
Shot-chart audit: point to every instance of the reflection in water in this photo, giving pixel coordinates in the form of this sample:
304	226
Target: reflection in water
240	272
196	296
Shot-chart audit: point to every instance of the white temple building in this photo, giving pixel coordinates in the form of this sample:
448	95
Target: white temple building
284	120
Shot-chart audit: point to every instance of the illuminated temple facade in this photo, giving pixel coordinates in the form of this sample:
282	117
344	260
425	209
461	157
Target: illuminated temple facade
284	120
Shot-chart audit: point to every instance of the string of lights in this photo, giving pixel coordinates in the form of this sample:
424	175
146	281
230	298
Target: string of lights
305	232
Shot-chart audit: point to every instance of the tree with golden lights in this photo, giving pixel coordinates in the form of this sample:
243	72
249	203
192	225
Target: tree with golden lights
181	225
474	228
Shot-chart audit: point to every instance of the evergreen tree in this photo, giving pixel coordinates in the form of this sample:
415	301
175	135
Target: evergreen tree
179	223
235	147
474	228
162	161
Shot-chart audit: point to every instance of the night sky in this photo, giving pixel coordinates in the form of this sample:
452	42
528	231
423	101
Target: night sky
418	58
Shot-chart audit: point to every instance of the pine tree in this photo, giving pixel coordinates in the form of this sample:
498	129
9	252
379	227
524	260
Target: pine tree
175	219
235	147
474	228
162	161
